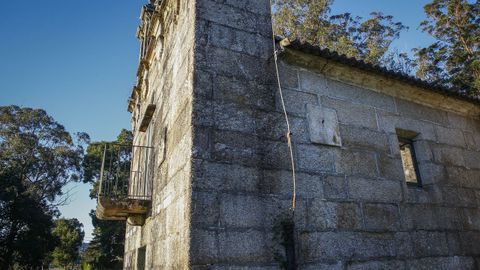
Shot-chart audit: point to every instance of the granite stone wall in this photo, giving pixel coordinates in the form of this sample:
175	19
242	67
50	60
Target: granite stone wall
168	83
367	216
224	182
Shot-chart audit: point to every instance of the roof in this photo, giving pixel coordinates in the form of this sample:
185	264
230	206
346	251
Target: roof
360	64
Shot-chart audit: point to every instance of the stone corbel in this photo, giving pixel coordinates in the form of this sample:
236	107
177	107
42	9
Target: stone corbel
147	117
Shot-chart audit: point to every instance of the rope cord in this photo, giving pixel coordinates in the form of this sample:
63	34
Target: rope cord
289	134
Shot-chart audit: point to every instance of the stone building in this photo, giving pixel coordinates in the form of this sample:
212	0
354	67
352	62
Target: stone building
387	167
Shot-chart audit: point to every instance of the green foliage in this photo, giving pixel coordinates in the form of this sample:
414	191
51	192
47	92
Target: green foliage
92	161
310	21
106	249
38	157
69	236
454	59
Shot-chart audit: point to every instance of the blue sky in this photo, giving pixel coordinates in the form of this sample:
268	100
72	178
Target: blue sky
78	59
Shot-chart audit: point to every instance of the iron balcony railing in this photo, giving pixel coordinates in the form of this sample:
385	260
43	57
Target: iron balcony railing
126	173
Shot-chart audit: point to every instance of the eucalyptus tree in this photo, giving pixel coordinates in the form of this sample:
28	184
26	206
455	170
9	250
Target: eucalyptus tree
454	58
38	157
312	21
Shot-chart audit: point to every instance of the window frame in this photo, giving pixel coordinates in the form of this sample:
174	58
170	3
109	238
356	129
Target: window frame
402	141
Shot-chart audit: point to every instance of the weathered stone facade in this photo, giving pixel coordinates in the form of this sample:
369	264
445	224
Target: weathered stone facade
222	166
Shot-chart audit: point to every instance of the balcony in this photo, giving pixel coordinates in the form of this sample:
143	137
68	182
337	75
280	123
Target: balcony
125	185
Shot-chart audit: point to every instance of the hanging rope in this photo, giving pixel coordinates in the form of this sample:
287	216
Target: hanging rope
287	121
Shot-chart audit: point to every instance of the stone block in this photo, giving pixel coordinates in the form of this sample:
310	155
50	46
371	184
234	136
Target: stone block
202	114
469	241
204	247
363	138
234	147
242	246
203	84
389	122
476	138
352	114
419	217
295	101
234	17
276	155
377	265
462	177
224	177
459	197
324	215
449	155
417	111
454	244
394	144
205	208
233	64
442	263
431	194
472	159
254	6
239	41
381	217
234	117
240	266
309	186
427	244
243	93
277	209
288	75
272	126
454	219
358	95
335	187
470	141
323	126
403	243
390	168
471	219
459	121
241	211
375	190
312	82
423	151
450	136
322	266
356	163
279	182
431	173
345	245
314	159
201	145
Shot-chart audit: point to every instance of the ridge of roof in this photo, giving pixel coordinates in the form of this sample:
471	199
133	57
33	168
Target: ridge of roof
361	64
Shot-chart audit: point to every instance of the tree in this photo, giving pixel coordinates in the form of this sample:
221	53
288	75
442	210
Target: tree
69	235
106	249
454	59
310	21
107	246
38	157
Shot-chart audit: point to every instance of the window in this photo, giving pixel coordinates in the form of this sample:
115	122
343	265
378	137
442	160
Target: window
141	258
409	162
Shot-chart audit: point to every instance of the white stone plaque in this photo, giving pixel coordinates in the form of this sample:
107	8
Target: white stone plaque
323	125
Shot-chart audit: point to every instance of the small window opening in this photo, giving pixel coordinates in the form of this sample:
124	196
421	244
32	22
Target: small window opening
141	258
409	162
